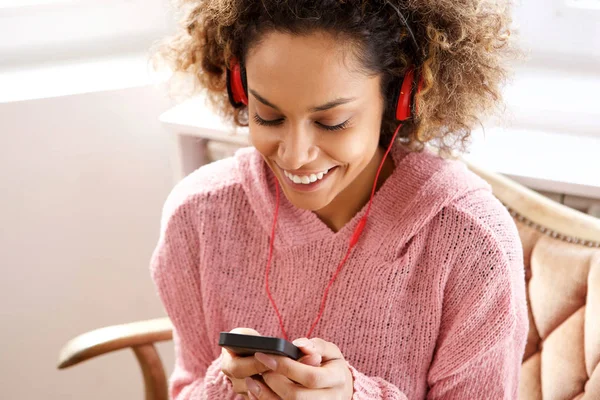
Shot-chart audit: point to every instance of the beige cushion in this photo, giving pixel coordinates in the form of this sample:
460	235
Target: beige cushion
563	290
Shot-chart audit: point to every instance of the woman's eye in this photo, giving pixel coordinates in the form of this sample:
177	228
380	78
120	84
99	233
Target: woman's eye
279	121
338	127
266	122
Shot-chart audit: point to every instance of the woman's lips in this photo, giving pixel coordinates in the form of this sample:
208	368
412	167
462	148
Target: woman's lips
308	187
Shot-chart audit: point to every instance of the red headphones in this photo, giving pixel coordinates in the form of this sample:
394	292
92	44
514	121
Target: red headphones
405	100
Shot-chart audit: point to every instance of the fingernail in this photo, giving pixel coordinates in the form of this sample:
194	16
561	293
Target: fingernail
302	343
252	386
269	362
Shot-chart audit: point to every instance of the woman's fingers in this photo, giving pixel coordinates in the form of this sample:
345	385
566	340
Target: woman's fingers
245	331
313	360
327	350
258	390
239	387
284	388
240	367
312	357
306	345
306	375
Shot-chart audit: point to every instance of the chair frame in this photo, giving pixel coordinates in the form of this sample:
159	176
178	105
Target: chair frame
140	336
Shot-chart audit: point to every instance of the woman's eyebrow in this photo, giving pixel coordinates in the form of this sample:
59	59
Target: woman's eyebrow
323	107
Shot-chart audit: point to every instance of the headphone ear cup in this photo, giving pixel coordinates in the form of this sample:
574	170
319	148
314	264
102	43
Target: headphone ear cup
236	84
230	90
405	97
244	84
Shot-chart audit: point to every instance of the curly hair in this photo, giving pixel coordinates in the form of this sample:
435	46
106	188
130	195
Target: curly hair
463	47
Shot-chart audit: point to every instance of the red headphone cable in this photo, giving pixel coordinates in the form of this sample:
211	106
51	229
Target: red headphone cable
353	240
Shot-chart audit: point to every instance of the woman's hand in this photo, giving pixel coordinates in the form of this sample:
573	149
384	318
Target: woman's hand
289	379
238	368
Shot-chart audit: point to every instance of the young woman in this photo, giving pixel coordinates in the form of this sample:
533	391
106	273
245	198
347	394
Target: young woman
398	271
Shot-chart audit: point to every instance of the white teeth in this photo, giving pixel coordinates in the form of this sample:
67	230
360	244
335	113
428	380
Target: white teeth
306	179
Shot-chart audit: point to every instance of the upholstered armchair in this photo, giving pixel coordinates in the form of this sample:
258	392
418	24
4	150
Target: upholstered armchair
562	268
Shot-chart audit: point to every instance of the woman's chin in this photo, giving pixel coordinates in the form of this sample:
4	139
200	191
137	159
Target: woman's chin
307	201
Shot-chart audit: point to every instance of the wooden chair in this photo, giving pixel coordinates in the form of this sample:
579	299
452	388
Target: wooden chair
562	267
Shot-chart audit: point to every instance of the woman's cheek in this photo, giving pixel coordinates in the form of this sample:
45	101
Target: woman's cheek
263	143
352	148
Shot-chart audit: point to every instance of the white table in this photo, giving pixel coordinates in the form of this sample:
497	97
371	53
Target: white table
566	167
545	161
193	126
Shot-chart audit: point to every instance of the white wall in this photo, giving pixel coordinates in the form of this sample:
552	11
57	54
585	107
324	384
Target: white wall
83	179
560	33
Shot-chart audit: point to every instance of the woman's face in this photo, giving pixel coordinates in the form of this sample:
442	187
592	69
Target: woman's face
313	116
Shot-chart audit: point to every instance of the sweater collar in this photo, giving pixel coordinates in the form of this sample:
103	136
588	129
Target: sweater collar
421	184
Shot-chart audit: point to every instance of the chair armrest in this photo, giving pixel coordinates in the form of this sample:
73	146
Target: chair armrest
112	338
541	210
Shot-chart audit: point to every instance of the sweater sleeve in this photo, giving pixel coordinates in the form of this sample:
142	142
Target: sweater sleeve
484	323
483	327
371	388
175	271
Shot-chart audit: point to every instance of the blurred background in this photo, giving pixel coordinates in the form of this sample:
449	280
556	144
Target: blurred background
86	164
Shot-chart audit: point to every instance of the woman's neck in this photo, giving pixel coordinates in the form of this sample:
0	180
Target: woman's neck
354	197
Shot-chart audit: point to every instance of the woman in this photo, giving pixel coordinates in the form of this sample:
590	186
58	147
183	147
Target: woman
400	275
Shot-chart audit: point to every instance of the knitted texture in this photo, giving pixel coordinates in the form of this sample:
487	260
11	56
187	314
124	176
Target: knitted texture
431	303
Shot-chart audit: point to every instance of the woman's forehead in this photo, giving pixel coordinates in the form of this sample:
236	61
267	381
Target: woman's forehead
318	49
283	63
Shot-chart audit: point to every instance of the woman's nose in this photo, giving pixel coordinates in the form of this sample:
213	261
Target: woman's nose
296	150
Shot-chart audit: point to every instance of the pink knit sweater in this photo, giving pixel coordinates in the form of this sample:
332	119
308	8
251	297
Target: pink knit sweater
431	303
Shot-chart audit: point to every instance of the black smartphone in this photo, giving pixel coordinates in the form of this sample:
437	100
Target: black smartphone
247	345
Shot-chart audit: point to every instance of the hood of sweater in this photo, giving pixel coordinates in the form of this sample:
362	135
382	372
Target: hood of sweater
421	185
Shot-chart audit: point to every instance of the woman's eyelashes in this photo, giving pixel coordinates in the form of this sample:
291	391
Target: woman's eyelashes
265	122
279	121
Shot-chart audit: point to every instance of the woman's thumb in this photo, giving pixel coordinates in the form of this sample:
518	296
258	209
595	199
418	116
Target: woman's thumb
245	331
312	356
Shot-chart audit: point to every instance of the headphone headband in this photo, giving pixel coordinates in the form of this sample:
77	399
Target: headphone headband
413	39
405	100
